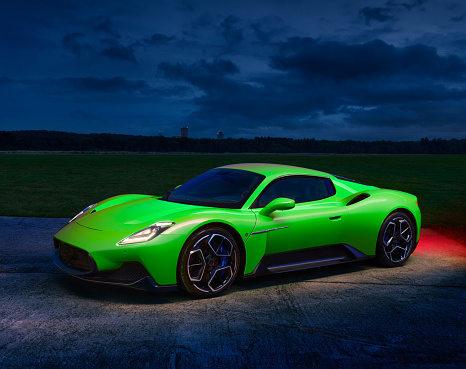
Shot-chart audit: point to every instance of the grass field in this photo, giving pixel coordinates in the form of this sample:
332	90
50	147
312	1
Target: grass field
61	185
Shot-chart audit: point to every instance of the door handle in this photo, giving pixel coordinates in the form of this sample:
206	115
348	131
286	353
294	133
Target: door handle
335	218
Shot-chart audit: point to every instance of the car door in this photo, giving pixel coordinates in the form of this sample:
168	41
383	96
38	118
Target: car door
318	219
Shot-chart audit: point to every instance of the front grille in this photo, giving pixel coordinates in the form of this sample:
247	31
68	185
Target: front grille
82	265
73	257
128	273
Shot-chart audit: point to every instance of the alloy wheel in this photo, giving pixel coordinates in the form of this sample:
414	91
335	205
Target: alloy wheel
212	262
397	239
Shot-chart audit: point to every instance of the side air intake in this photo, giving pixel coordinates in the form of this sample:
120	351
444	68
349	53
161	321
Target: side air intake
358	198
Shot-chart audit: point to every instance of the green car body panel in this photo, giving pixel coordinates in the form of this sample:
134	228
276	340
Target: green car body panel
329	221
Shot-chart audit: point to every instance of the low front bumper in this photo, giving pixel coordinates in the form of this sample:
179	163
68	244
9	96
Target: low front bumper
81	265
159	256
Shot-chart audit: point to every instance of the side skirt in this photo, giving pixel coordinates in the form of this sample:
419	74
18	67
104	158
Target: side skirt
307	258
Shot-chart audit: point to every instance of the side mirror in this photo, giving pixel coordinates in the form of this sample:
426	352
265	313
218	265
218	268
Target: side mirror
280	203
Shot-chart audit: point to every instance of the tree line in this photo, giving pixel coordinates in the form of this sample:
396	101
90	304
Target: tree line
64	141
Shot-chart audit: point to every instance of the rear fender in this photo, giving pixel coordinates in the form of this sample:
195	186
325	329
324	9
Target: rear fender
367	215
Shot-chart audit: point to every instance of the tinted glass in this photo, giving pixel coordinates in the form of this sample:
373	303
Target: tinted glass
228	188
300	189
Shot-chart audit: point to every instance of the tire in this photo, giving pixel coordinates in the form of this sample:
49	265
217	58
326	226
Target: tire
396	240
208	263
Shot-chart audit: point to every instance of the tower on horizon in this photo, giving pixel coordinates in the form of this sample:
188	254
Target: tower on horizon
184	132
219	135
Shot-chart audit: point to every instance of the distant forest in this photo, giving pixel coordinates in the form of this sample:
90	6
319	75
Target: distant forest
63	141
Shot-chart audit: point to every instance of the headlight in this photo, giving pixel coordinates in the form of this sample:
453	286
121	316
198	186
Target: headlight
77	215
147	233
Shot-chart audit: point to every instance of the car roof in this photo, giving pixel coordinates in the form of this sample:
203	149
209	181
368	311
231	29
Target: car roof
276	169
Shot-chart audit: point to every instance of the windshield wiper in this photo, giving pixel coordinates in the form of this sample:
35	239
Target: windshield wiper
167	195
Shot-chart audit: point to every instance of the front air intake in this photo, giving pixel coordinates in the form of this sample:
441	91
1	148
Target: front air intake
74	258
128	273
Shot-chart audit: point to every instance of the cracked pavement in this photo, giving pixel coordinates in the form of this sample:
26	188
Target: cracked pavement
353	315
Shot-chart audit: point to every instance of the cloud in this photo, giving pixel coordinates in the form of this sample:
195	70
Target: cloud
108	85
200	26
232	34
317	84
215	69
384	14
71	42
407	5
105	26
225	98
5	81
458	18
158	38
260	33
223	63
111	48
423	114
209	77
313	59
377	14
187	7
267	29
116	89
114	50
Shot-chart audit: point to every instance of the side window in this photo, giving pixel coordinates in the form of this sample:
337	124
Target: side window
300	189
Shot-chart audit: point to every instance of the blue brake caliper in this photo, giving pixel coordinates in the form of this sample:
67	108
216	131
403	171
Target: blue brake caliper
224	260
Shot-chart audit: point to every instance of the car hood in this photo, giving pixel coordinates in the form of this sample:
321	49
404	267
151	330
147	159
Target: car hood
132	216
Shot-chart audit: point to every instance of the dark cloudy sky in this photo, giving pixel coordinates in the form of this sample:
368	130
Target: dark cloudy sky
336	69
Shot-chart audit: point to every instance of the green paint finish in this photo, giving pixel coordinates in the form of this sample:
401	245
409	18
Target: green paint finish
308	224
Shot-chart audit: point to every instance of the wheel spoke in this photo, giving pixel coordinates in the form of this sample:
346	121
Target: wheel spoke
217	249
389	241
196	262
221	281
389	234
397	239
399	247
212	263
405	234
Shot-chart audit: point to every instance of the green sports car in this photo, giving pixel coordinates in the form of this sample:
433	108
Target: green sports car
233	221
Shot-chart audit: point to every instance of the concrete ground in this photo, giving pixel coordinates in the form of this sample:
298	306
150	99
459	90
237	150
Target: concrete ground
354	315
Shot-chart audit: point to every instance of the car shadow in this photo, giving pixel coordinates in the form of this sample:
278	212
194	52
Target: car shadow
115	294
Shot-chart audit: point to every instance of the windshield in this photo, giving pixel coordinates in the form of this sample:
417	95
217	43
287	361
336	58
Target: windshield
223	188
